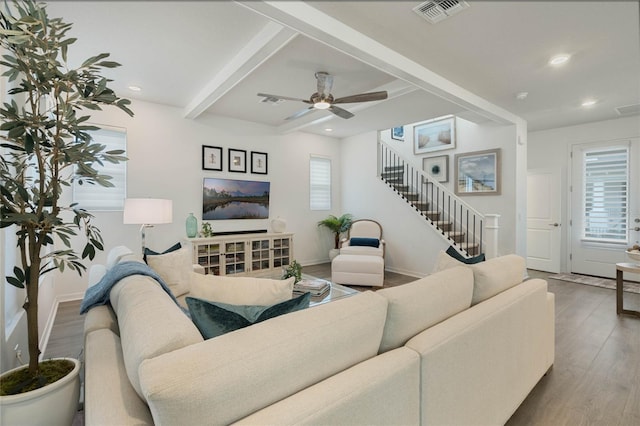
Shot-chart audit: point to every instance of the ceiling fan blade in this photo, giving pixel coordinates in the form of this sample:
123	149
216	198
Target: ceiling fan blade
301	113
286	98
325	83
362	97
342	113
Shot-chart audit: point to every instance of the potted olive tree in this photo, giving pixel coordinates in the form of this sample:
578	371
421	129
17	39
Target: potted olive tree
46	147
337	225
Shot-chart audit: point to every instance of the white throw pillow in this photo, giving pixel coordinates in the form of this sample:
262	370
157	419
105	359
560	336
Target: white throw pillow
241	290
116	254
174	268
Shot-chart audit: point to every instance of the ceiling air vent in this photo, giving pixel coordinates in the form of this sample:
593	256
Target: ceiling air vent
628	110
436	10
271	100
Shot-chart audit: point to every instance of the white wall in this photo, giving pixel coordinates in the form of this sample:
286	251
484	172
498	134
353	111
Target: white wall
549	149
411	244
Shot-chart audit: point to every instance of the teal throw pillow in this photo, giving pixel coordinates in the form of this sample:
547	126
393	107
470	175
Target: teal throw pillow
149	252
468	260
364	242
215	319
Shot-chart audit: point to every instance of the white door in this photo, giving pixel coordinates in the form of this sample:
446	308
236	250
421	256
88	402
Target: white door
543	220
605	209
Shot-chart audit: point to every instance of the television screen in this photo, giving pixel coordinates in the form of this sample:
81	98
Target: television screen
234	199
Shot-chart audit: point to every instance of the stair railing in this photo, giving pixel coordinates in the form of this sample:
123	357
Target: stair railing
455	220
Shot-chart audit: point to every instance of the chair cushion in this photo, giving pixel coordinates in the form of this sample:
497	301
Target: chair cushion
361	250
215	319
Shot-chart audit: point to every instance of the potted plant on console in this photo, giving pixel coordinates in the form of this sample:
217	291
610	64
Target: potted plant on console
337	225
46	147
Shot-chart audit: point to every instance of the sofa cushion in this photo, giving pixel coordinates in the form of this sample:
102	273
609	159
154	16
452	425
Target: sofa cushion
418	305
150	323
116	254
223	381
241	290
215	319
490	277
148	252
175	268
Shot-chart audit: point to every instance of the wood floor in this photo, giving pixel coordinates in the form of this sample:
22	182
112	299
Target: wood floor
595	379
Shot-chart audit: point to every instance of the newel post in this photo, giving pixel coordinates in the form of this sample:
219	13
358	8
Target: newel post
492	232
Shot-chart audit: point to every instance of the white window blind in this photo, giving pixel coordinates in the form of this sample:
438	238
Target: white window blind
606	184
97	197
320	183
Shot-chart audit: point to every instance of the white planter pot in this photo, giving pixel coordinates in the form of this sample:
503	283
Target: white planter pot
55	404
333	253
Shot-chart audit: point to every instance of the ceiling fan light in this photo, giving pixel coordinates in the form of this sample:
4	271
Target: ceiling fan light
322	105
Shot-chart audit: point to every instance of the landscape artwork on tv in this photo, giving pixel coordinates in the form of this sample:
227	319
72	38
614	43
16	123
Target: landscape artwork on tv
234	199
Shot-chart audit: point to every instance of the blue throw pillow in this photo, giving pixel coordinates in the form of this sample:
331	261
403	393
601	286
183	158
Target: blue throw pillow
215	319
364	242
149	252
468	260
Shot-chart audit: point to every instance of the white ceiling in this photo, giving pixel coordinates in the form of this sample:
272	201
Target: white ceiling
214	57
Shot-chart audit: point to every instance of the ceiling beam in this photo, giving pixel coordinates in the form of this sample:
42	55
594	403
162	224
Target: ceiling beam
261	47
319	26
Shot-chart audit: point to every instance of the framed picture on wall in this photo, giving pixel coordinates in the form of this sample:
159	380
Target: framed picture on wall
237	160
211	158
259	163
434	135
478	173
397	133
437	167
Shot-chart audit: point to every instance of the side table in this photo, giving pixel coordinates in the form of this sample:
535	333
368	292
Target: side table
620	269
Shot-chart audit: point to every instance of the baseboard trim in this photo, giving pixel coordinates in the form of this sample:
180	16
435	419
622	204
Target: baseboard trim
46	333
414	274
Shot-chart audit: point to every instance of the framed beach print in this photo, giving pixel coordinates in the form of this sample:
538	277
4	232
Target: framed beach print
259	164
478	173
211	158
434	135
397	133
437	167
237	160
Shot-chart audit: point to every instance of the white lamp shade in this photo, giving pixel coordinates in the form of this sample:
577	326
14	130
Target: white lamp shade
147	211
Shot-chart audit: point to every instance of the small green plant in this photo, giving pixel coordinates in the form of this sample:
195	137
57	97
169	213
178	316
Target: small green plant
206	230
293	270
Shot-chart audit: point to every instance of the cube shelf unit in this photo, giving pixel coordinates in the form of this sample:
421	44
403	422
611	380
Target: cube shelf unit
243	253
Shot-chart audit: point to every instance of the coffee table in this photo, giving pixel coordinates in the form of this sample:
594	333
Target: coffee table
336	291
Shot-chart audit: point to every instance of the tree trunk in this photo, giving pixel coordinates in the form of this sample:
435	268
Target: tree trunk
31	307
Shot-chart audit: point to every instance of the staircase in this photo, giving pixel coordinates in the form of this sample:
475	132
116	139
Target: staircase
453	219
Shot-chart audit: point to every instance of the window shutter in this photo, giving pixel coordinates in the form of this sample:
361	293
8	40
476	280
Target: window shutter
99	198
320	183
606	181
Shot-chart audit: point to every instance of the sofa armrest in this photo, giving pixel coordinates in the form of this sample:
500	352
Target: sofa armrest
109	397
381	390
487	358
100	317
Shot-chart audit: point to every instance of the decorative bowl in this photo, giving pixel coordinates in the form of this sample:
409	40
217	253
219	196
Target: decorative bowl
634	255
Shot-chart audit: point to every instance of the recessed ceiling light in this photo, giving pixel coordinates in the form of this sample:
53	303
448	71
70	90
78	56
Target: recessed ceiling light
589	102
558	60
522	95
328	129
135	88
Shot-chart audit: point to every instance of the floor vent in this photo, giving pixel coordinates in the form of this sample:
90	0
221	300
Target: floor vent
628	110
436	10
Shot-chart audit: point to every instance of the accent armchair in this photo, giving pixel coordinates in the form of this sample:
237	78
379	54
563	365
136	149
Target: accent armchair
364	237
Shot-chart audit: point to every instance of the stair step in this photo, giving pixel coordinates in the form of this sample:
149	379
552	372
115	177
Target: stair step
392	175
443	224
411	196
473	249
401	188
423	206
457	236
393	168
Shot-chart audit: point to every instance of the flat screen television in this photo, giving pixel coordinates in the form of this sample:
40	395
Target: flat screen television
234	199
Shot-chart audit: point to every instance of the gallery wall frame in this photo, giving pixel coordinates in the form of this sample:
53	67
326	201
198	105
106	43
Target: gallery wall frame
237	160
259	163
478	173
397	133
434	135
437	167
211	158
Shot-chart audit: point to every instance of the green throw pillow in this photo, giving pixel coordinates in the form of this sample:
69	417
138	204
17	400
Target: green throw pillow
468	260
215	319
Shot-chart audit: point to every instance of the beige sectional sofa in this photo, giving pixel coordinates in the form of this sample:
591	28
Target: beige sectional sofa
462	346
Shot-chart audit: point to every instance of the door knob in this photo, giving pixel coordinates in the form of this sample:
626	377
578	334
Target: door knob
637	228
554	224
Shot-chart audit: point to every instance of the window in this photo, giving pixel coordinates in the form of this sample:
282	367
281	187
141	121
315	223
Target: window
320	183
606	183
96	197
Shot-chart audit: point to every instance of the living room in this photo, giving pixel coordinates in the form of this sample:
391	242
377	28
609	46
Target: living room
165	155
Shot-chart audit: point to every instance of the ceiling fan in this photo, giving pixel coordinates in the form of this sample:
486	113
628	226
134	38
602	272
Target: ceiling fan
323	99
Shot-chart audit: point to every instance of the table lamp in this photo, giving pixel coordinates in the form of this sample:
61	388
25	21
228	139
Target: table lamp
147	212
